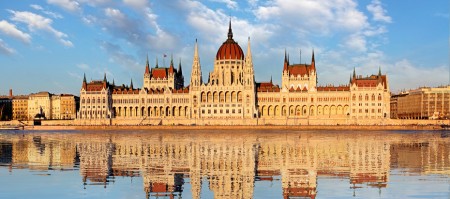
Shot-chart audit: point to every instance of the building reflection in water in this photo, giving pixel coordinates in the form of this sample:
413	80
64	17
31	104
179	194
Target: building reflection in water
231	162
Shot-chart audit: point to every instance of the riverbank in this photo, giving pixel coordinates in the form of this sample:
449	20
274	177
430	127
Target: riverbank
272	124
241	127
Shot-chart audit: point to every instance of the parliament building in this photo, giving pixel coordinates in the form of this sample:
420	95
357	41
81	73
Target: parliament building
231	96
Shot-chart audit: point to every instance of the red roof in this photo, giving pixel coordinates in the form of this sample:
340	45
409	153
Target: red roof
230	49
299	69
371	81
267	87
95	86
160	73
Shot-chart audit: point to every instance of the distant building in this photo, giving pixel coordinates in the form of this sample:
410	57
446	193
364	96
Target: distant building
68	107
52	106
422	103
20	107
231	92
6	106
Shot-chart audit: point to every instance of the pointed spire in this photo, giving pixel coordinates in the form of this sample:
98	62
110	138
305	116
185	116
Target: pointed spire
84	84
114	84
379	71
285	67
180	72
131	84
354	72
230	31
270	79
171	64
196	49
104	78
147	66
288	59
313	60
249	51
156	62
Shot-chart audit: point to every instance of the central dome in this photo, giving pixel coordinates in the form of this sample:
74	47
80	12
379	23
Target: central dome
230	49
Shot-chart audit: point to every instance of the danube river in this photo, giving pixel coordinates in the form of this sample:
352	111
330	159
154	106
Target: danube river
224	164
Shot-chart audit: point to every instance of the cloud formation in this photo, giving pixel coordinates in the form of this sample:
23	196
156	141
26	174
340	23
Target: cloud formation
378	12
69	5
12	31
37	22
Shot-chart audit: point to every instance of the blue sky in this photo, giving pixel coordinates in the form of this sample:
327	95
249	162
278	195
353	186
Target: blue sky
48	45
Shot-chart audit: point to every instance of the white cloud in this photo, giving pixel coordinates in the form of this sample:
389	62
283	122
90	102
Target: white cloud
12	31
136	3
70	5
38	22
49	13
5	49
356	42
378	12
230	3
36	7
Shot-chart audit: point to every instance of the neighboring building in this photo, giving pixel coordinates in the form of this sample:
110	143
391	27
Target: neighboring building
232	93
52	106
40	103
68	107
6	106
20	107
422	103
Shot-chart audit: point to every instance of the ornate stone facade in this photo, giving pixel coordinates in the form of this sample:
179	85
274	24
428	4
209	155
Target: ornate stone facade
231	93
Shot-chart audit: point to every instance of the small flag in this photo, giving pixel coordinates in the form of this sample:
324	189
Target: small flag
165	55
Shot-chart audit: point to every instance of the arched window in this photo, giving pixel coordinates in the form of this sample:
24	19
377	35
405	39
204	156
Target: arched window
367	97
379	97
354	97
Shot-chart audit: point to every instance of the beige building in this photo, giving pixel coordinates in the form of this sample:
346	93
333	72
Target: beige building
68	106
51	106
231	93
422	103
20	107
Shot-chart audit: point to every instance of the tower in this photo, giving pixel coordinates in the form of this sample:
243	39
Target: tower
196	75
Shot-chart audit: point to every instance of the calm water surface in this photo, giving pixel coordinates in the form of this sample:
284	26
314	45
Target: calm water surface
224	164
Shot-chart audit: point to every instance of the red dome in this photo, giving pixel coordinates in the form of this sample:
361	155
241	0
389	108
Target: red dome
230	49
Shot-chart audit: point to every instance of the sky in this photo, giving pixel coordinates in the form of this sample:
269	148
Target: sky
49	45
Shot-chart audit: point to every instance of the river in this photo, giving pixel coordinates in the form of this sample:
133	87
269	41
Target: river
224	164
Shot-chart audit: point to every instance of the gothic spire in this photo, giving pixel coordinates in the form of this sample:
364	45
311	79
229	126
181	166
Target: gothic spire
379	71
230	32
171	64
104	78
354	73
131	84
313	60
84	79
180	72
156	62
147	66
